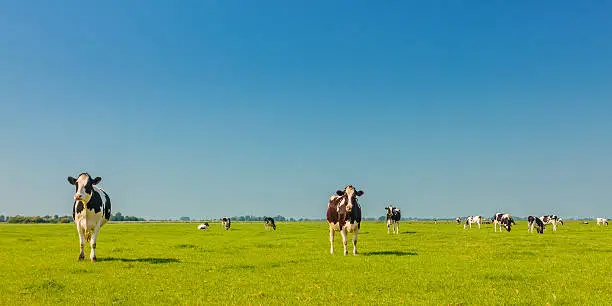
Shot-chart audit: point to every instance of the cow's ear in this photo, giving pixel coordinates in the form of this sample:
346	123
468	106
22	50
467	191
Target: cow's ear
340	192
96	180
71	180
359	193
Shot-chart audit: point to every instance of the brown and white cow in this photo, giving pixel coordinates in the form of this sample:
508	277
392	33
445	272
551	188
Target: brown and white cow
90	211
344	216
504	220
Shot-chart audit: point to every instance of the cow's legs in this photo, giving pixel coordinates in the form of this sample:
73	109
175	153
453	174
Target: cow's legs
82	242
355	242
94	238
344	240
397	228
331	241
389	227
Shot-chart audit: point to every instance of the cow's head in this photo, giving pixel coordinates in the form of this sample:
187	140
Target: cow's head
350	195
389	210
84	186
507	222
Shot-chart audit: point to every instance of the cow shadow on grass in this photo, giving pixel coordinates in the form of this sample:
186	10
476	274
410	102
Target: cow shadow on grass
151	260
408	232
395	253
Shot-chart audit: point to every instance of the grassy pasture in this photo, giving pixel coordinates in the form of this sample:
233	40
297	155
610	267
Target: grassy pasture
155	263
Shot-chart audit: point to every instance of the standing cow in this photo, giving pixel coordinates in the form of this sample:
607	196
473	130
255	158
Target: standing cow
551	219
458	220
393	219
504	220
603	221
269	223
90	211
226	223
471	220
536	222
344	216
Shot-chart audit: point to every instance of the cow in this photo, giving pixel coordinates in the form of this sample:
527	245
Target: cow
603	221
393	218
203	226
472	219
344	216
458	220
536	222
550	219
504	220
226	223
90	211
269	223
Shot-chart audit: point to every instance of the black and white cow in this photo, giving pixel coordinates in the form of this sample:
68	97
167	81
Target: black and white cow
536	222
603	221
90	211
226	223
269	223
504	220
551	219
393	218
344	216
203	226
458	220
472	219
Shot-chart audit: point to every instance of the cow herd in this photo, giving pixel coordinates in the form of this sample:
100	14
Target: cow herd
92	209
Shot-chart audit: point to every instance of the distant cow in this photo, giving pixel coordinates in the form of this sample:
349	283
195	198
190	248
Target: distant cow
603	221
536	222
458	220
551	219
203	226
226	223
472	219
504	220
90	211
344	216
269	223
393	218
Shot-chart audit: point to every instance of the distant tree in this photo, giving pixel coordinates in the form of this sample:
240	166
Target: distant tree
56	217
382	218
64	220
184	219
2	218
117	217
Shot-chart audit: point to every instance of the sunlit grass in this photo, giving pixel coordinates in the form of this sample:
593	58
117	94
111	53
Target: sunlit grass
426	264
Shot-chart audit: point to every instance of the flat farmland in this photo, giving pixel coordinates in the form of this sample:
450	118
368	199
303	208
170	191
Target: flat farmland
437	264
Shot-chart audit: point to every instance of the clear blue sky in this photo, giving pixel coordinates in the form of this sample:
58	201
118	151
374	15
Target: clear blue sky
212	108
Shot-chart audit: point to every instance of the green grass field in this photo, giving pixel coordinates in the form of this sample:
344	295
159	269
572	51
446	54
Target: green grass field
155	263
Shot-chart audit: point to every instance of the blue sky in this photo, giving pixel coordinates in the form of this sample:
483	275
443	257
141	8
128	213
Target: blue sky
213	108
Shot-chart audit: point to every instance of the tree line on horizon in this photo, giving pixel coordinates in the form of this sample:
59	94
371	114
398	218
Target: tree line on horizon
59	219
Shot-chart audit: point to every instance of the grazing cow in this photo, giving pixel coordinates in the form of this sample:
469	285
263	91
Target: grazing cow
393	218
226	223
472	219
203	226
90	211
601	221
269	223
344	216
550	219
504	220
536	222
458	220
